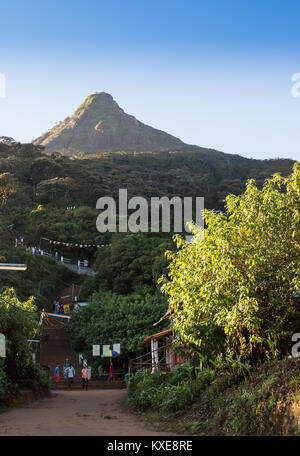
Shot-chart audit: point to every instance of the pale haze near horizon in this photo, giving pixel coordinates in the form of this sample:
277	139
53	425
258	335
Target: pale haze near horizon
219	88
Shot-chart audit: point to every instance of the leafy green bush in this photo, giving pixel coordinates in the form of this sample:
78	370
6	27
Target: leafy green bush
4	383
35	377
19	322
143	386
167	393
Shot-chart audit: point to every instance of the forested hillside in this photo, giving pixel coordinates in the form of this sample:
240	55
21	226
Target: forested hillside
57	182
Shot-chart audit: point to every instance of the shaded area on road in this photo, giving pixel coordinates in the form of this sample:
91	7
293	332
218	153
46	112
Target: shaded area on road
71	413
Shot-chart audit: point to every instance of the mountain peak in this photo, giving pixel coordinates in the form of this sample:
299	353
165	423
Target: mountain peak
100	125
99	97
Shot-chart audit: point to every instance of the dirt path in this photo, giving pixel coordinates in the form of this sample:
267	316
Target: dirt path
94	412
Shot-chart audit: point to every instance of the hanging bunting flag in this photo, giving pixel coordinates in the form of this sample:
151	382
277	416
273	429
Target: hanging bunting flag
69	244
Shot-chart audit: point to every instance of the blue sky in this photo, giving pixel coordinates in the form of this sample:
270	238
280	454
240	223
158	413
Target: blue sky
215	73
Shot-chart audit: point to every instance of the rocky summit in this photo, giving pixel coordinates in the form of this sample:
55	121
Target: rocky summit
100	125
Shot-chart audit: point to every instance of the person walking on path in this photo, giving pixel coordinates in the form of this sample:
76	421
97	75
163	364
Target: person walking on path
61	308
111	372
65	368
85	378
56	376
71	375
126	378
57	307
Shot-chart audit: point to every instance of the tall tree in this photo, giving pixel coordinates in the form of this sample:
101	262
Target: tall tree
232	290
8	186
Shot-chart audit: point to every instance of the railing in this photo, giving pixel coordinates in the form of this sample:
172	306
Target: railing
146	361
63	259
47	254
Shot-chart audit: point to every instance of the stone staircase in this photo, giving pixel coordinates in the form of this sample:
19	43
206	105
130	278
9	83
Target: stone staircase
55	347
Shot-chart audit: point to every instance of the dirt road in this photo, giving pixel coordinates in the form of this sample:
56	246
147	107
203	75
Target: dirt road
85	413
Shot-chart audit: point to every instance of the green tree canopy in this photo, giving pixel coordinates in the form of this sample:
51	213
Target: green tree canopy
133	260
232	289
18	323
112	318
8	186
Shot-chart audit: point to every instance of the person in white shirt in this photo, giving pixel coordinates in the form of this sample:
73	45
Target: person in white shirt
71	375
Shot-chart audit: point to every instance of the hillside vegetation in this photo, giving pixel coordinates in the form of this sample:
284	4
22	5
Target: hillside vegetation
233	297
230	293
263	401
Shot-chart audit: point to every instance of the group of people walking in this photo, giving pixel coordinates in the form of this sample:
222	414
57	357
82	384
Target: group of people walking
69	374
57	307
20	241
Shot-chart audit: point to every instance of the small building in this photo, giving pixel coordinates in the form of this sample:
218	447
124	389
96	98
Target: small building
160	352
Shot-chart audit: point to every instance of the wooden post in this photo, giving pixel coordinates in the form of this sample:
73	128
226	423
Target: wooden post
154	355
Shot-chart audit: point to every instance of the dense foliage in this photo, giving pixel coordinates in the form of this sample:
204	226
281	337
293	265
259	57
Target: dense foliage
212	402
42	279
111	318
232	290
56	182
132	261
18	323
168	393
123	297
